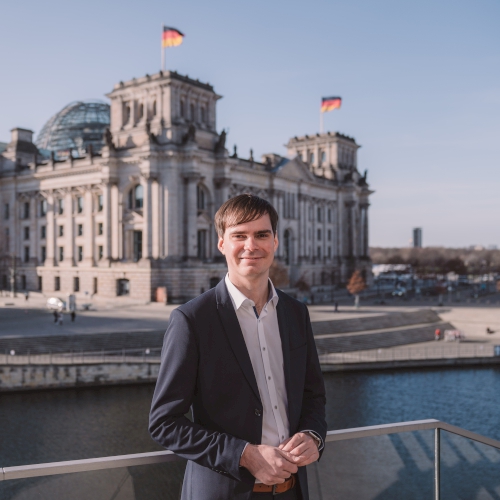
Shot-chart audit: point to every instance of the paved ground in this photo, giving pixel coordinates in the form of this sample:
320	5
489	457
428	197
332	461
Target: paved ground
29	318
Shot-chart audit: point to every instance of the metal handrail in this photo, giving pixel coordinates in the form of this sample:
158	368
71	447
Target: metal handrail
48	469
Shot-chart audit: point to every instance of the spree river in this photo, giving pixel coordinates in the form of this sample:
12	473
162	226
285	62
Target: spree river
58	425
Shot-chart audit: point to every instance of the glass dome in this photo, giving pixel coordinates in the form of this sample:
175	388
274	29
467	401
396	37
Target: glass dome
74	128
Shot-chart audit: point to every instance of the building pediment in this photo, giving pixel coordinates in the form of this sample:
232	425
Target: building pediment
293	169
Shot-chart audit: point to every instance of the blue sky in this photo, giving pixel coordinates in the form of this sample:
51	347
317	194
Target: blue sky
420	83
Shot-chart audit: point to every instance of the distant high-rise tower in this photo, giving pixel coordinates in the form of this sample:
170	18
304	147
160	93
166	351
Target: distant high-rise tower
417	237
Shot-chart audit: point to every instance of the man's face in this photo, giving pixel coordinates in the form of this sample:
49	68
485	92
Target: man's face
249	248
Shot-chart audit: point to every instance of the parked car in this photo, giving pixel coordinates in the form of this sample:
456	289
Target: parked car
399	292
56	304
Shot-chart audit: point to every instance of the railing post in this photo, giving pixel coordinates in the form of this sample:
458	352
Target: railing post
437	464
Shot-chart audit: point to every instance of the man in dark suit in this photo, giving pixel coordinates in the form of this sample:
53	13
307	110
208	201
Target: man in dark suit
242	357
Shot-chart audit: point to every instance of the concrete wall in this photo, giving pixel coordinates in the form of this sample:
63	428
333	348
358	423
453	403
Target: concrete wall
28	377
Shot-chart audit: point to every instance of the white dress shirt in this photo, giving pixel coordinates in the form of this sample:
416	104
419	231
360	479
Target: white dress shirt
263	341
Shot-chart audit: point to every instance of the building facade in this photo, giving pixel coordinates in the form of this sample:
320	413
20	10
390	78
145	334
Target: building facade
138	214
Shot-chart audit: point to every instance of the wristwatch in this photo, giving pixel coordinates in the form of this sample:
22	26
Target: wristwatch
317	440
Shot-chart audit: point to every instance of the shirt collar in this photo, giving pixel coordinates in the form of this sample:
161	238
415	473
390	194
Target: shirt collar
238	298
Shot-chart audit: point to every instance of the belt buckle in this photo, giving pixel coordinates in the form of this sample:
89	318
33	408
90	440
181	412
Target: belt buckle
274	490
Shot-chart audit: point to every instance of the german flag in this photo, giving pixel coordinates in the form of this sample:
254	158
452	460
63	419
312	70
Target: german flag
330	103
171	37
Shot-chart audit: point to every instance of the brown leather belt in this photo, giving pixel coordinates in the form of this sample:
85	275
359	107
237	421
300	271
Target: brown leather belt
275	489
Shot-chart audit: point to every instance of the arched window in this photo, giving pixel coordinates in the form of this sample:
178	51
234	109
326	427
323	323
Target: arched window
136	197
153	108
140	112
191	112
203	117
311	158
322	157
200	198
126	113
182	108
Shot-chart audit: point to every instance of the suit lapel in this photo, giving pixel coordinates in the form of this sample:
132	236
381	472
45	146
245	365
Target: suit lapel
233	331
285	345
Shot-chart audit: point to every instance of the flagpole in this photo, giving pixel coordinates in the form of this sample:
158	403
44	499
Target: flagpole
162	49
321	122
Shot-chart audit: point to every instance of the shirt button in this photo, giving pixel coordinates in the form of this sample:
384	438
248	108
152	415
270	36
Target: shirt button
275	407
263	348
269	378
257	412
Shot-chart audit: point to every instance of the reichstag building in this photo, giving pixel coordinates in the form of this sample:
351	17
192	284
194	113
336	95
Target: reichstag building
118	199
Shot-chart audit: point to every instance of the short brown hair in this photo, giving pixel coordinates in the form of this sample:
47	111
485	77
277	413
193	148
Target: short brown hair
241	209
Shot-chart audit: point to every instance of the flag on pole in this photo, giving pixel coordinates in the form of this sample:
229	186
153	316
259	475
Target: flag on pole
171	37
330	103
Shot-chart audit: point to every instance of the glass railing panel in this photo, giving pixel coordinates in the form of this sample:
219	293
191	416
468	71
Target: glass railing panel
145	482
469	469
389	467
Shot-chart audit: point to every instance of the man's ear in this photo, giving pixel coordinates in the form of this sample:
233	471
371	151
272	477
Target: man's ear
220	245
276	242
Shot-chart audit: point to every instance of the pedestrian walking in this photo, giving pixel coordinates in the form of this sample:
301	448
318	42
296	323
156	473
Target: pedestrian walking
437	334
73	316
60	319
336	306
26	296
56	316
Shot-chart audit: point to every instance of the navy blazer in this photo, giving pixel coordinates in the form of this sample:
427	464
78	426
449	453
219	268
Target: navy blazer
205	367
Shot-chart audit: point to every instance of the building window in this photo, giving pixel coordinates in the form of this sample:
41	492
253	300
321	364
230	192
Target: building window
76	284
79	204
153	109
100	252
43	253
140	112
26	254
26	210
95	286
322	157
122	287
61	254
79	229
319	214
319	253
43	232
43	208
182	108
125	113
60	206
40	284
329	252
200	198
26	233
300	156
329	215
6	211
319	234
23	282
61	230
136	197
137	246
202	244
80	253
99	228
7	239
191	109
57	283
311	213
329	235
100	204
203	114
311	158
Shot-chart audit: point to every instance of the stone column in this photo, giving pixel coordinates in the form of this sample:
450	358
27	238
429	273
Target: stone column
50	233
106	199
69	229
155	219
191	216
88	229
115	225
147	218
